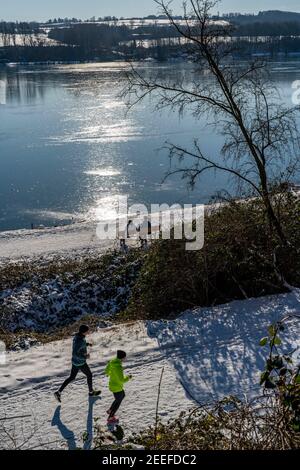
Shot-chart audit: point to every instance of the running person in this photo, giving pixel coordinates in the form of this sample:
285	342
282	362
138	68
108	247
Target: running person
117	379
79	357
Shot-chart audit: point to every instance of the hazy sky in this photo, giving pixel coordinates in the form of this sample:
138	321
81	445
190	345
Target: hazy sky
45	9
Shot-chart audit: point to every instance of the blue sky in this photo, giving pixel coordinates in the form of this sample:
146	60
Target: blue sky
42	10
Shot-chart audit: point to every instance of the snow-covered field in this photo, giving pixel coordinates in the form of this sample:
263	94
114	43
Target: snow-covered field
131	22
207	353
27	40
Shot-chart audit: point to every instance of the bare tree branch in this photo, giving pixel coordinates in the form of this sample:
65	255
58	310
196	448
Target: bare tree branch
261	140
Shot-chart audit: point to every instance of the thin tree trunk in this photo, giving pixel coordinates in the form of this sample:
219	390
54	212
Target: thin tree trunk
273	219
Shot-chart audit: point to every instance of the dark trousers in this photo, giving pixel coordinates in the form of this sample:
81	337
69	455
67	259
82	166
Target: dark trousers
119	397
86	370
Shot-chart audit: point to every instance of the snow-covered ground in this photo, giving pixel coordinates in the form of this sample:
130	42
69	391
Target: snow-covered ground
66	239
43	305
206	354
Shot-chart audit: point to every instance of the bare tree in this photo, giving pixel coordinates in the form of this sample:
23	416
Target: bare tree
261	142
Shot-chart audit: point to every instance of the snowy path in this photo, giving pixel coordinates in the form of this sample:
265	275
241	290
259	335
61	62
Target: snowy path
30	243
65	240
78	236
29	379
207	354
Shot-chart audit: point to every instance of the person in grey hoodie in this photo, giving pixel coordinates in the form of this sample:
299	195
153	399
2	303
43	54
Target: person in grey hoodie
79	357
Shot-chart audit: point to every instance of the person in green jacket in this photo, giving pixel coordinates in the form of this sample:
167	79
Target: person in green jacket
117	379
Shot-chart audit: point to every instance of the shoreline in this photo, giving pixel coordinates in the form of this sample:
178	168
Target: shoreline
291	56
32	243
72	239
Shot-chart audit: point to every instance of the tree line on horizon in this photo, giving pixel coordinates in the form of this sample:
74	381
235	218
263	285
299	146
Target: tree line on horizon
109	39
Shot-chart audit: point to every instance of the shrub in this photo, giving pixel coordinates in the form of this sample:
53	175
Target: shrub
240	259
228	425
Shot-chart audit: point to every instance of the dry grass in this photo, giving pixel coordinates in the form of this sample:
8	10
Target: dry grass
262	424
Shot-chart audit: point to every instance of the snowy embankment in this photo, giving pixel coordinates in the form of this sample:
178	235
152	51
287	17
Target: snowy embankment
207	353
44	305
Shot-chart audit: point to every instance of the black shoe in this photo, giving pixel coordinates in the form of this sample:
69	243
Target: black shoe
58	396
95	393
